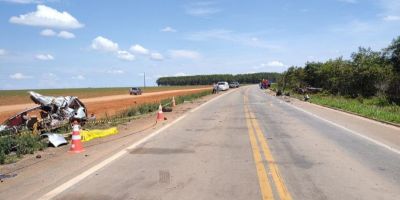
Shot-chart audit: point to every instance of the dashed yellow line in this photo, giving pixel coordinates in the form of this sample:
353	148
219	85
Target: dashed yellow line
278	181
265	187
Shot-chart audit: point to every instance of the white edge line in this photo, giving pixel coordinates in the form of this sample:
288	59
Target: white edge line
53	193
349	130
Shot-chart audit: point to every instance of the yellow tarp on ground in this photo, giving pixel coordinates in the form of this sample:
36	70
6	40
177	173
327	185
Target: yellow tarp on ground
88	135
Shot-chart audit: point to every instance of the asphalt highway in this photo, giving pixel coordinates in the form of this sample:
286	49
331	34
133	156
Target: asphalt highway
249	145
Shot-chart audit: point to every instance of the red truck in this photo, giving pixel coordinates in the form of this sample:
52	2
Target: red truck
264	84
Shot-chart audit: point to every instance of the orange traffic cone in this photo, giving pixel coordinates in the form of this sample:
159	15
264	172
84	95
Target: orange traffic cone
173	102
76	144
160	114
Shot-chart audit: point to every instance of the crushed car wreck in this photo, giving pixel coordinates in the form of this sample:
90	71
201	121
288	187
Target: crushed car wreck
51	113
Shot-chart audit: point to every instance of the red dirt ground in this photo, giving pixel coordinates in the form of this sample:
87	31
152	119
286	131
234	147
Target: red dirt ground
109	105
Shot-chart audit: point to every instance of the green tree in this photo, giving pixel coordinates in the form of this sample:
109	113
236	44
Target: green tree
292	78
392	55
370	72
312	74
210	79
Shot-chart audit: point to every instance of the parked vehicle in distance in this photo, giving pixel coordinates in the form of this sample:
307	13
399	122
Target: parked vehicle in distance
265	84
223	85
234	84
135	91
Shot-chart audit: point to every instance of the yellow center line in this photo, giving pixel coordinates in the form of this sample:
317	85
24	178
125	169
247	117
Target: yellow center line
278	180
265	187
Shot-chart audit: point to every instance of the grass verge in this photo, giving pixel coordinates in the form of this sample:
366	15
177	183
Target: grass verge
376	108
14	146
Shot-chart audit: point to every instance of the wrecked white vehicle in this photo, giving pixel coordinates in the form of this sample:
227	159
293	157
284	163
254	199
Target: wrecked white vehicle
51	113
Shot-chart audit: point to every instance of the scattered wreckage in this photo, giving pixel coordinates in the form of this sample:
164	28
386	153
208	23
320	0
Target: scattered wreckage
50	114
309	90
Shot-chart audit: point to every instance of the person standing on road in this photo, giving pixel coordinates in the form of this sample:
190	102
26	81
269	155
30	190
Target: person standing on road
215	88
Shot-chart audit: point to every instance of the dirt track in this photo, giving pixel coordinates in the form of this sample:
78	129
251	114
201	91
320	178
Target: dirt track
108	104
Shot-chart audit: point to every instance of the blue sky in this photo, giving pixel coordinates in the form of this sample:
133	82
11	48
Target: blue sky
88	43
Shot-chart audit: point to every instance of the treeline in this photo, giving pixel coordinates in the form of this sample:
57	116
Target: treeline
210	79
367	73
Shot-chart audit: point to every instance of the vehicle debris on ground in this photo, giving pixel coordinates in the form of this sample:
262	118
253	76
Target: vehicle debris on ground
51	113
55	139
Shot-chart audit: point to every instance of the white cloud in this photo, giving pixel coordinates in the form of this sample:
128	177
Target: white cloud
275	64
392	18
48	32
138	49
106	45
44	57
168	29
246	39
202	9
61	34
2	52
103	44
202	12
19	76
66	35
270	65
79	77
156	56
180	74
184	54
115	71
124	55
47	17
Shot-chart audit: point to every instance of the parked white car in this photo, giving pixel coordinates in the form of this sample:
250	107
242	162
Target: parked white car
223	86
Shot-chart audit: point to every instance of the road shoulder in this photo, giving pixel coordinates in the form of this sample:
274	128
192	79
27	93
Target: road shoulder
385	134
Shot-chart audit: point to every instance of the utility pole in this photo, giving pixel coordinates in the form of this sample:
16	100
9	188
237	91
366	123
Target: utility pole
144	79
